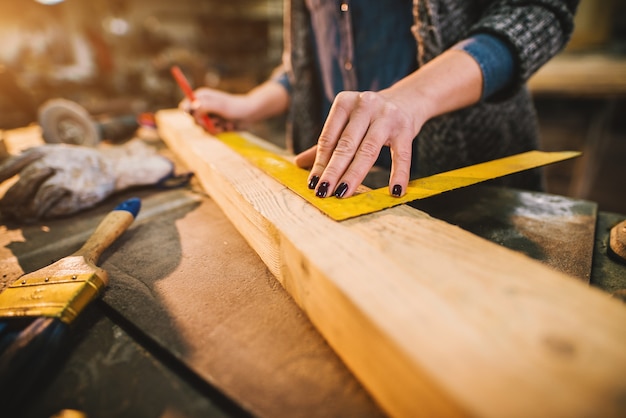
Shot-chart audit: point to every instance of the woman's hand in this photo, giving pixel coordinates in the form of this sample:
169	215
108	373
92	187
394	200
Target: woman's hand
361	123
358	126
225	110
229	111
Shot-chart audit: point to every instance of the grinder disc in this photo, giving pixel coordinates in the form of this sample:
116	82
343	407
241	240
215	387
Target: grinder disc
65	121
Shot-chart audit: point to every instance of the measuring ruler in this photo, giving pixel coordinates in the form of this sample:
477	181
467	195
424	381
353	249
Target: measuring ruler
296	179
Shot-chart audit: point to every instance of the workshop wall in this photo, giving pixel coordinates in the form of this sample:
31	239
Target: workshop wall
115	55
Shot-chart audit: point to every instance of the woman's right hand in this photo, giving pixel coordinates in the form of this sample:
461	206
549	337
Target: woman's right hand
234	111
227	111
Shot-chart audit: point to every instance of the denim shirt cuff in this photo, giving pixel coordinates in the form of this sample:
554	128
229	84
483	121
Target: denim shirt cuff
494	58
283	80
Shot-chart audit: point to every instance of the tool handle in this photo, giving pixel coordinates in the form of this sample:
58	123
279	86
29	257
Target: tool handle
188	91
26	355
109	229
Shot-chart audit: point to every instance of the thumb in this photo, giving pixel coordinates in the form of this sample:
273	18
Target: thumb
306	158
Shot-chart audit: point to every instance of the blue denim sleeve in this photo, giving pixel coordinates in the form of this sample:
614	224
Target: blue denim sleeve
494	58
282	79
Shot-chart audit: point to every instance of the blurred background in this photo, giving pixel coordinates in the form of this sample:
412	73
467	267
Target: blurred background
116	54
113	57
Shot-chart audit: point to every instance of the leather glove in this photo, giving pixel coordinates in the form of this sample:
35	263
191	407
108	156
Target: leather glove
61	179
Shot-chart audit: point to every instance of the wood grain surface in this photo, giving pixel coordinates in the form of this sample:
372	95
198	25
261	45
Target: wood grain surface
430	318
185	278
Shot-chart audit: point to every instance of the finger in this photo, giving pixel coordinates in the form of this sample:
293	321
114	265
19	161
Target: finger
200	103
353	143
185	105
221	109
358	147
221	124
333	127
209	101
190	106
364	159
195	106
195	109
401	156
306	158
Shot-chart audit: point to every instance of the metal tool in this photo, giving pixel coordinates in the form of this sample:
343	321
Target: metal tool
67	122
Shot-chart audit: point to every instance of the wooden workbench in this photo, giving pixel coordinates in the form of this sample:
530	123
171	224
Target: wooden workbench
192	324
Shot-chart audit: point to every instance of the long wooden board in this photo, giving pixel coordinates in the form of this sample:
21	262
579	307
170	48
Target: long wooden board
433	320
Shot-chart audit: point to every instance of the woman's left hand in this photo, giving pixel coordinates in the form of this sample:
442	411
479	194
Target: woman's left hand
361	123
358	126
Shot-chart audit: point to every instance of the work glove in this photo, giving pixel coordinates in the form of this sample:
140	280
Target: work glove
61	179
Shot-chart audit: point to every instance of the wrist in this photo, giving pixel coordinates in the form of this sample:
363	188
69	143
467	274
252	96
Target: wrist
450	82
413	101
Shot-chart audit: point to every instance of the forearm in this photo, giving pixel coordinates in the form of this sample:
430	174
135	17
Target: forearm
262	102
449	82
267	100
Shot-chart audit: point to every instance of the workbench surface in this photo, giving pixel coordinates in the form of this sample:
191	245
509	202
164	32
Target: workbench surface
189	307
193	323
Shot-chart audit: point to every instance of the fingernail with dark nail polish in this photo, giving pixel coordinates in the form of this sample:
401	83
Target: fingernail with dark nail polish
322	191
341	190
313	182
397	190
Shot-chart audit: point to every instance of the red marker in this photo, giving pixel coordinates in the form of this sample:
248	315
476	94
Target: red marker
186	88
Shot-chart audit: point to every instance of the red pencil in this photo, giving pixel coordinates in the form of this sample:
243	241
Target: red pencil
186	88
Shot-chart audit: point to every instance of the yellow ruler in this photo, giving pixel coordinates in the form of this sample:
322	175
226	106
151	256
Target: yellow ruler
296	179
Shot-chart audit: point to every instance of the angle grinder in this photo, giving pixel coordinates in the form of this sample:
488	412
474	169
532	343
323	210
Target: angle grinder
65	121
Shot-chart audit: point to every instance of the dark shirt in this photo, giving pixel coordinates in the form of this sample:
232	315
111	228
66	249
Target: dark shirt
368	45
362	44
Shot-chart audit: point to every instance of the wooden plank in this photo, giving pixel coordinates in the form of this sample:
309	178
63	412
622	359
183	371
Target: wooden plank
432	319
